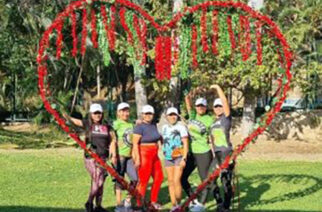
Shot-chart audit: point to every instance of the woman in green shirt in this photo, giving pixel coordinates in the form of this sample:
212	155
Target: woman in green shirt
124	131
200	154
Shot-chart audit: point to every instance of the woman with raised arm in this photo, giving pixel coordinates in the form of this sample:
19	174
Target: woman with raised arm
220	137
146	142
200	155
101	139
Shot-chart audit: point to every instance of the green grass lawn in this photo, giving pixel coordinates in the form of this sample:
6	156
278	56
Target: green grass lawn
56	180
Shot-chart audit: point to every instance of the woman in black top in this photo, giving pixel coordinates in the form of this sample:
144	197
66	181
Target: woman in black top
102	140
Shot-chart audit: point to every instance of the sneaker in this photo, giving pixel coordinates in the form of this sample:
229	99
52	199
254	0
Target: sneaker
89	207
99	209
175	208
156	206
196	206
127	203
119	208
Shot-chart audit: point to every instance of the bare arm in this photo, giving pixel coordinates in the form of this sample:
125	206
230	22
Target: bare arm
135	149
113	148
223	99
185	147
188	102
75	121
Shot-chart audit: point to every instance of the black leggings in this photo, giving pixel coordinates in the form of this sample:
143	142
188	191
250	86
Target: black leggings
226	180
202	162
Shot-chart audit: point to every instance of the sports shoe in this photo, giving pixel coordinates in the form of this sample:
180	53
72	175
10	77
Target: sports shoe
175	208
156	206
99	209
196	206
119	208
127	203
89	207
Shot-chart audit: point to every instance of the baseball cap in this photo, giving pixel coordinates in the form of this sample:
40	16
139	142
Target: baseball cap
201	101
172	110
95	108
147	109
217	102
122	106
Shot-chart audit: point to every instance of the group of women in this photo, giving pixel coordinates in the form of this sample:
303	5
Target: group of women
200	142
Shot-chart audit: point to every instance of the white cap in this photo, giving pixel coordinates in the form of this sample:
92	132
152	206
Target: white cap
95	108
172	110
217	102
122	106
201	101
147	109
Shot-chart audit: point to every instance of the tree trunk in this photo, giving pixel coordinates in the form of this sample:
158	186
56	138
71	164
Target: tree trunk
82	66
248	111
140	93
98	71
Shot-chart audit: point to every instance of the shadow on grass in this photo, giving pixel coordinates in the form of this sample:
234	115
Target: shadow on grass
31	140
252	195
42	209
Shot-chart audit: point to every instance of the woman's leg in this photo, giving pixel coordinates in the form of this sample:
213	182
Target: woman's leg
121	166
100	185
91	168
203	162
157	176
177	183
144	171
171	184
190	166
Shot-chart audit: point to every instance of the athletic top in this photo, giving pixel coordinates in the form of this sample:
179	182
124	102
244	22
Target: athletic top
172	143
219	132
149	133
198	127
98	137
124	132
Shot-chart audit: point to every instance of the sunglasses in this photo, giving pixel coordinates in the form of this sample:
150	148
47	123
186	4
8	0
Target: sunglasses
97	113
216	106
200	106
148	113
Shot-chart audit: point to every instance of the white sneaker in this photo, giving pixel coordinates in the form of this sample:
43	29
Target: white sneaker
127	203
196	206
174	208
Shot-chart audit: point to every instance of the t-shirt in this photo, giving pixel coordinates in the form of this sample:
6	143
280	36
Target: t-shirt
219	131
149	133
99	139
172	143
198	127
124	133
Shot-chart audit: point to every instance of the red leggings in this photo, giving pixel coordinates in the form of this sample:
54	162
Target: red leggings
150	166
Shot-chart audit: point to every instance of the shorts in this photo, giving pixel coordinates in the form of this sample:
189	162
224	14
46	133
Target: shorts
173	162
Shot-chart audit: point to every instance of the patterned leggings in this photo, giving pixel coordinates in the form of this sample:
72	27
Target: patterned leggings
98	177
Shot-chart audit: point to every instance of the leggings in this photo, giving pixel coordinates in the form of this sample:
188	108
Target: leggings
150	166
202	162
126	165
97	181
226	179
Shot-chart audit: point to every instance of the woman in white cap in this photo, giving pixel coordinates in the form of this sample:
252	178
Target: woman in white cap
146	141
101	139
124	132
222	146
175	150
200	155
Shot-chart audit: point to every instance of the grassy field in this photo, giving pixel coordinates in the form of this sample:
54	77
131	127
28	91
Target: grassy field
56	180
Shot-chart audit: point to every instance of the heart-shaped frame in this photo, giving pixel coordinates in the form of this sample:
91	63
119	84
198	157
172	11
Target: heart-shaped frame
273	30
